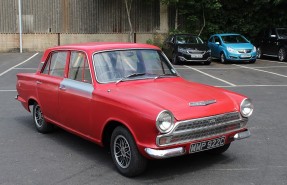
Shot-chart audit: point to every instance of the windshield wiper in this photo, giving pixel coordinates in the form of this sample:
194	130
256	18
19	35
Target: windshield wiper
165	75
131	75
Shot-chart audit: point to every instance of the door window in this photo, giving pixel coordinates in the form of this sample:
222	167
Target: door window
55	66
79	68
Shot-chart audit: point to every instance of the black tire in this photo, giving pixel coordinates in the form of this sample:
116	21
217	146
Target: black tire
129	162
259	53
41	125
219	150
222	58
282	54
174	59
207	62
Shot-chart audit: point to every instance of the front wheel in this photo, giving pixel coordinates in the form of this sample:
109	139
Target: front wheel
41	125
222	58
282	54
259	52
207	62
174	59
129	162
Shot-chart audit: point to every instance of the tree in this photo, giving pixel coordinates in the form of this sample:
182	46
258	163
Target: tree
128	5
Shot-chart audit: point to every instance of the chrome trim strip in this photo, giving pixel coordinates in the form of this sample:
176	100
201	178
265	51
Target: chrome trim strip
161	154
80	88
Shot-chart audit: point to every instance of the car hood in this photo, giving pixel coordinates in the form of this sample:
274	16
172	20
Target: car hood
241	46
176	94
201	47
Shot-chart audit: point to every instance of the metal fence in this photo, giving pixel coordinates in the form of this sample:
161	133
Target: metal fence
79	16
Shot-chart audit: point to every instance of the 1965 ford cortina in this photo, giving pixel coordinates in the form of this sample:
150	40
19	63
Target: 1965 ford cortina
130	98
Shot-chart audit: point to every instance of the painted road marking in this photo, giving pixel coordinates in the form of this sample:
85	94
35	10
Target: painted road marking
261	70
18	64
211	76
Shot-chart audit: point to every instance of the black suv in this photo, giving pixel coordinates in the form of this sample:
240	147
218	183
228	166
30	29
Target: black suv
186	48
272	42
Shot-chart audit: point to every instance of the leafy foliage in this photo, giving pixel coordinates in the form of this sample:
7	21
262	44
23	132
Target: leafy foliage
246	17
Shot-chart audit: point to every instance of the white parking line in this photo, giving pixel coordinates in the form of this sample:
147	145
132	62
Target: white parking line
26	68
274	61
7	90
18	64
254	86
211	76
261	70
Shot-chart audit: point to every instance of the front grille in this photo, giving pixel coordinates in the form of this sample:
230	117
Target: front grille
244	51
209	121
195	52
202	128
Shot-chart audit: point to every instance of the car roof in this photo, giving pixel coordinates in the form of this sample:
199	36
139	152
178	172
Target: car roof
179	34
225	34
92	47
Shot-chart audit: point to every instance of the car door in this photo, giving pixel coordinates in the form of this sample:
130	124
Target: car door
75	94
48	82
211	45
273	44
217	47
168	46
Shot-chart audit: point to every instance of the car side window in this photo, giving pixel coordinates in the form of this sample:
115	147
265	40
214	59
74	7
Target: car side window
79	68
55	66
211	39
216	39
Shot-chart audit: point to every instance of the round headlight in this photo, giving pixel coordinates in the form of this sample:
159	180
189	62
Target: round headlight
165	121
246	107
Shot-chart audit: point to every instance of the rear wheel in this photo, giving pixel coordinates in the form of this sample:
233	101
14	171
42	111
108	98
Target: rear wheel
125	154
41	125
282	54
219	150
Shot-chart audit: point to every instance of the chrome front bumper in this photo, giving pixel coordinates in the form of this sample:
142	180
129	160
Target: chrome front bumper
173	152
161	154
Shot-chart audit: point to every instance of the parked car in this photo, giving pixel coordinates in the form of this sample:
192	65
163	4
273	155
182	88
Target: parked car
186	48
231	47
129	98
272	42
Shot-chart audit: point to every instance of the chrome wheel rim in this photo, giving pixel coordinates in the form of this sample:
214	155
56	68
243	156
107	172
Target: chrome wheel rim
281	54
122	151
222	58
39	118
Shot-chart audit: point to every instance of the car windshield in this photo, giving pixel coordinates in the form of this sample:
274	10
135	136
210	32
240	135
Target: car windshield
233	39
122	65
188	39
282	32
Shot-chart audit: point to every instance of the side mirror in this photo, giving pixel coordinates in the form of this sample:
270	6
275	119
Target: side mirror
217	43
273	36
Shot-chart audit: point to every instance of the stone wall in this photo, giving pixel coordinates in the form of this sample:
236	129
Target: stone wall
40	42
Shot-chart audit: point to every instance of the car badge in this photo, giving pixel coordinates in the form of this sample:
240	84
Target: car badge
201	103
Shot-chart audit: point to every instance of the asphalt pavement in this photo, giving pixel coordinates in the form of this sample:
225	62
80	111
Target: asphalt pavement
30	158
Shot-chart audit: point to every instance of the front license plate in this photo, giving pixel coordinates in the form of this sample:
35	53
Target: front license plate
196	56
245	55
207	145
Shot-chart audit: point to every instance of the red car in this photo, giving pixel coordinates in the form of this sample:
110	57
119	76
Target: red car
129	98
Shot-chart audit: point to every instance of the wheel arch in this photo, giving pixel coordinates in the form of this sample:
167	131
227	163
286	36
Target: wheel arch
31	101
108	130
